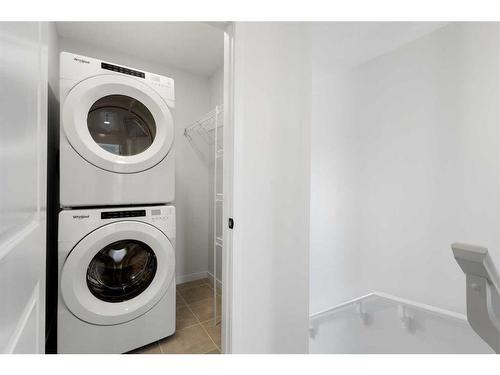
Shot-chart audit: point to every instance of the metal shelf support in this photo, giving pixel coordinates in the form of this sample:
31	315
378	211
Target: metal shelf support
209	129
482	288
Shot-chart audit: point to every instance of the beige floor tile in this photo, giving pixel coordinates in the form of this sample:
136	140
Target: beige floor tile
213	331
153	348
204	309
192	340
179	301
184	318
211	285
215	351
196	294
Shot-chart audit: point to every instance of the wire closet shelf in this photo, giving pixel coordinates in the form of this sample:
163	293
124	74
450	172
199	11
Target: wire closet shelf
208	129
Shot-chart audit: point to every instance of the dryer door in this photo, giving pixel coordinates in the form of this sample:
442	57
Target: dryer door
118	123
117	272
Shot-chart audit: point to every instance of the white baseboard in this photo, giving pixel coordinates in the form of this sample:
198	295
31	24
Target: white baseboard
196	276
211	277
179	279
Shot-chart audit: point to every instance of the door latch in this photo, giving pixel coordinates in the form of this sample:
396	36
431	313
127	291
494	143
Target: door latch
230	223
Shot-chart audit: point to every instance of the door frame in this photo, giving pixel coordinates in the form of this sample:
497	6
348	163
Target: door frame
228	172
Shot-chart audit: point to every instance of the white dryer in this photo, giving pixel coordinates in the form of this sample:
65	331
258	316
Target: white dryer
116	134
116	278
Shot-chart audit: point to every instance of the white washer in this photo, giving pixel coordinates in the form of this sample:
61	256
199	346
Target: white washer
116	278
116	134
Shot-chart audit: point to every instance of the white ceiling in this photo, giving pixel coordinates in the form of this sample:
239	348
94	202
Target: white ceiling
347	44
195	47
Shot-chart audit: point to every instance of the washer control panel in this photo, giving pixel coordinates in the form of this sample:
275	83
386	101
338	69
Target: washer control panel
164	218
79	222
122	214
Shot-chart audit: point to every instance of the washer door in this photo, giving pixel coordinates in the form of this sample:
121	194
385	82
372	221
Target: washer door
117	273
118	123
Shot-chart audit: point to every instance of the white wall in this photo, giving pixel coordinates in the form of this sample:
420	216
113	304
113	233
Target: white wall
271	188
217	87
405	160
23	120
191	196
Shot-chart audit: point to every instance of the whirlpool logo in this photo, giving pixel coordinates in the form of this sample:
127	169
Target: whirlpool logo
79	217
81	60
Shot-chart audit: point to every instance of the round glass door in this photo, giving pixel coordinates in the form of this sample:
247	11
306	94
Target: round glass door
113	275
117	123
121	125
121	271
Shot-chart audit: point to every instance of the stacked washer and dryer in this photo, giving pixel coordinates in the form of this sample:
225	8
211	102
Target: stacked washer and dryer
116	224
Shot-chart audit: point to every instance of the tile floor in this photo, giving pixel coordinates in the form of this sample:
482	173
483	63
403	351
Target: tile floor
195	332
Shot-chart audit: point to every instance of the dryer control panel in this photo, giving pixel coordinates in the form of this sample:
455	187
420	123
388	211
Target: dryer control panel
76	68
121	69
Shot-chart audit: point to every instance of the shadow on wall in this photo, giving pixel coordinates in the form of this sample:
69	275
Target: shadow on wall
52	221
200	148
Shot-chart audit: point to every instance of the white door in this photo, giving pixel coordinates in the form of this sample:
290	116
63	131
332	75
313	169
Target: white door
269	294
117	272
23	116
117	123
